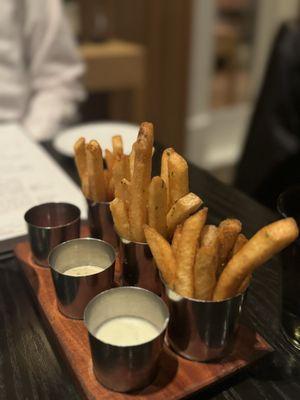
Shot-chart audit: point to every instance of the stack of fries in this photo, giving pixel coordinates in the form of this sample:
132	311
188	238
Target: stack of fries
163	202
99	184
206	262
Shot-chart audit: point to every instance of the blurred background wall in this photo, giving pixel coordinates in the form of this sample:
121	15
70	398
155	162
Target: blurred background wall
193	67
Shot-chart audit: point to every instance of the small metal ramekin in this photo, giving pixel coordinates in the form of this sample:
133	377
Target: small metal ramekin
74	292
50	224
126	368
139	268
202	330
101	223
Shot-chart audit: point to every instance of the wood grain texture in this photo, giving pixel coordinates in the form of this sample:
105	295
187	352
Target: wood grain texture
176	377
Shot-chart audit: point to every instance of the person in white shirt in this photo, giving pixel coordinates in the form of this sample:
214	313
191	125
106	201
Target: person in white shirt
40	68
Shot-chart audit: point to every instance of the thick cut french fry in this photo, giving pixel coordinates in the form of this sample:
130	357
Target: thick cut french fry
131	161
140	182
184	207
228	231
120	218
110	160
162	254
260	248
111	190
125	192
157	205
81	164
178	177
206	263
164	171
120	171
240	242
95	171
117	143
176	239
191	229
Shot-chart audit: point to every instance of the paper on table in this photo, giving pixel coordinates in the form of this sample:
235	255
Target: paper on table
29	176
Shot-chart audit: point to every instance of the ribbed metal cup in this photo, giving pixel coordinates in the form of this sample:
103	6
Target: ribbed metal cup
101	223
126	368
202	330
50	224
74	292
139	268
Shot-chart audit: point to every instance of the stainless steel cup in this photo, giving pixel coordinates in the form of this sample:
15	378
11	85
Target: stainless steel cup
125	368
101	223
202	330
139	268
50	224
74	292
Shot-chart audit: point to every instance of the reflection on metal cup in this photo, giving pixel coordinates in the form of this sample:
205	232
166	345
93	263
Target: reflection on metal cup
101	223
50	224
74	292
139	268
126	368
288	205
202	330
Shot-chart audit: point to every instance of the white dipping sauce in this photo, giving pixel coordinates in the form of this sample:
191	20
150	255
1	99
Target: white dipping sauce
84	270
127	331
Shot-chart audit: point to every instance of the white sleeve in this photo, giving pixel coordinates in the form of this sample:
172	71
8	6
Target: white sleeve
54	68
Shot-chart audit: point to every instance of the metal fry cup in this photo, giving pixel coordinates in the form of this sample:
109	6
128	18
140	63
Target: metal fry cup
50	224
202	330
139	268
101	223
124	368
74	292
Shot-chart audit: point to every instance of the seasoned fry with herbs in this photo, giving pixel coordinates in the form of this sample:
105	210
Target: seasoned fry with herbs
178	177
260	248
162	254
191	229
181	210
157	205
95	172
140	182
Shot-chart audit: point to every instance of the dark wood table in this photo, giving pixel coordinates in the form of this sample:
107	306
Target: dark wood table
31	367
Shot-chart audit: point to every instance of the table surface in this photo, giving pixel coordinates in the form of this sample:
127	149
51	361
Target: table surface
32	368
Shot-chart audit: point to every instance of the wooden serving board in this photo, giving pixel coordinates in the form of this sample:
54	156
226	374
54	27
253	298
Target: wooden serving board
177	377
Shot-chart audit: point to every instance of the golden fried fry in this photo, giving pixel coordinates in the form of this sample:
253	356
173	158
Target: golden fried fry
140	182
110	160
117	143
120	218
81	164
125	192
157	205
260	248
178	177
164	172
120	171
181	210
131	161
176	239
206	264
184	283
228	231
162	254
240	242
95	171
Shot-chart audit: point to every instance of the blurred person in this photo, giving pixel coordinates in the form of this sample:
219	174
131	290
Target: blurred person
40	68
270	161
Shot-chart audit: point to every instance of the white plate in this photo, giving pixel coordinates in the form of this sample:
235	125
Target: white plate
100	131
